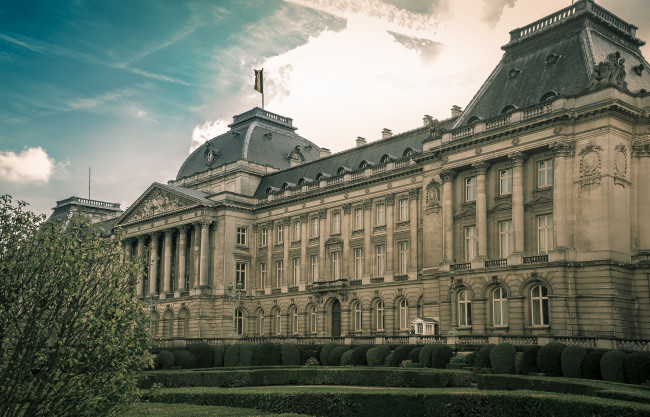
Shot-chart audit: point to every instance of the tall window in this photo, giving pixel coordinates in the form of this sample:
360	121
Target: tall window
544	233
241	236
293	314
240	273
312	319
279	273
380	210
403	315
295	271
314	227
403	259
379	315
358	263
336	222
239	322
336	265
260	323
545	173
464	309
470	243
499	307
470	189
277	322
505	181
314	267
358	218
403	210
539	305
358	316
263	278
506	238
264	237
296	231
380	260
280	235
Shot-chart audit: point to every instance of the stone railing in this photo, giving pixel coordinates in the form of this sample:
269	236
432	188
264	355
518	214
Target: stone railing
379	280
498	122
401	278
545	22
533	260
461	267
462	133
537	110
497	263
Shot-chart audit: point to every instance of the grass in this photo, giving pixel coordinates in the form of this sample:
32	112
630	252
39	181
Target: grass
147	409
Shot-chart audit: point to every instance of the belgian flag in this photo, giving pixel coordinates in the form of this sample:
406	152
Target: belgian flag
259	81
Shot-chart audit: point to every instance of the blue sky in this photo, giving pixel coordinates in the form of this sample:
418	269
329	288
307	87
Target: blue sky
130	87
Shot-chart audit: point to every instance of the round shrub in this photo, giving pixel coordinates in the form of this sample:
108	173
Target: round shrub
591	366
502	358
346	358
401	353
376	356
529	360
637	367
425	356
612	366
266	354
312	362
231	357
357	356
290	354
325	351
440	356
414	355
549	359
470	358
185	359
388	358
203	353
334	358
458	360
303	354
482	359
519	356
217	355
573	359
247	355
164	360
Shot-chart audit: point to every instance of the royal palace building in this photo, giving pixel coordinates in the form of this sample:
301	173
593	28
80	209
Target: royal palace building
524	217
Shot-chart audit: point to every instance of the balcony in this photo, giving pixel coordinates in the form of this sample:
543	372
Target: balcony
497	263
401	278
379	280
535	260
461	267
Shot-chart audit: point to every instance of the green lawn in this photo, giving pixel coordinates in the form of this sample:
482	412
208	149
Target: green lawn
146	409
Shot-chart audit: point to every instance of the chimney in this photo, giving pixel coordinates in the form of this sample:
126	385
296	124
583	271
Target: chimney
360	141
324	152
386	133
427	120
456	111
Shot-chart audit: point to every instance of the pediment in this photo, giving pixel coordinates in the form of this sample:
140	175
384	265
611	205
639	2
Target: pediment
466	212
155	202
538	200
500	207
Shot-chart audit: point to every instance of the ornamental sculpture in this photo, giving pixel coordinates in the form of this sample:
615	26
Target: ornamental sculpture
155	204
609	72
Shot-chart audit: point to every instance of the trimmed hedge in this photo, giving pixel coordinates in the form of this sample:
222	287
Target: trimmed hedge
289	354
217	355
519	356
591	366
414	355
185	359
482	359
304	354
549	359
573	359
440	356
529	360
325	351
470	358
612	366
502	358
247	355
400	354
357	356
164	360
231	357
346	358
204	354
266	354
334	358
376	356
425	356
637	367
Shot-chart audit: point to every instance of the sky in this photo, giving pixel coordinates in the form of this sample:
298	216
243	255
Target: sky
130	88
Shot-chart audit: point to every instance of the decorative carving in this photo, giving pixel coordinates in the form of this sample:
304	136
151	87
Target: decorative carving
390	199
609	72
641	147
478	150
347	208
638	70
434	128
590	160
296	155
551	59
515	141
620	160
433	194
413	193
480	167
447	175
563	147
304	217
367	203
445	159
557	130
513	73
286	221
157	203
322	213
517	158
210	154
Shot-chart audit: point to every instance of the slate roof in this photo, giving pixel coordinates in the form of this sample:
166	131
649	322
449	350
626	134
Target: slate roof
557	54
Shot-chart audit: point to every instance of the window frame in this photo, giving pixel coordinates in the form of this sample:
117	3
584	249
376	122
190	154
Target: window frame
336	223
242	238
358	262
403	257
313	317
264	237
403	210
506	238
470	242
336	265
239	322
358	218
279	273
357	314
296	231
545	173
545	233
380	214
470	189
500	305
263	275
379	315
464	308
541	309
295	271
240	273
314	227
380	260
403	314
508	181
279	234
314	264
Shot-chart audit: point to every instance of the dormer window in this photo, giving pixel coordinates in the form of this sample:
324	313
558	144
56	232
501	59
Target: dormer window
473	120
549	95
508	109
408	152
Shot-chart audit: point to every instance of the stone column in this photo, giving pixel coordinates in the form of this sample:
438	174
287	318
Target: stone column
153	263
348	257
447	177
288	267
204	254
167	262
305	264
270	266
518	159
368	252
139	251
182	257
413	224
390	226
323	261
563	149
641	162
480	168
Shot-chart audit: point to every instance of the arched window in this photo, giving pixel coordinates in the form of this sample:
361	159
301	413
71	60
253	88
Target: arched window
168	320
379	315
473	120
549	95
539	305
319	177
385	159
508	108
293	315
499	307
155	319
408	152
260	323
357	317
184	323
239	322
464	309
403	315
277	322
312	319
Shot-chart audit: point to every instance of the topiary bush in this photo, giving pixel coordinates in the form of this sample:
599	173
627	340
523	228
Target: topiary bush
346	358
388	358
549	359
266	354
303	354
376	356
425	356
400	354
231	357
247	355
203	353
164	360
325	351
334	358
414	355
591	366
217	355
289	354
470	358
440	356
529	360
637	367
185	359
519	356
612	366
482	359
358	356
573	359
502	358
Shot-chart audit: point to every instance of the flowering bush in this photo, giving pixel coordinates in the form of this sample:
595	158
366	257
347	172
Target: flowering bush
405	363
312	362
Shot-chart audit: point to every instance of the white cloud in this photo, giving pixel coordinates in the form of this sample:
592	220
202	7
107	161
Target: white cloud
32	165
207	131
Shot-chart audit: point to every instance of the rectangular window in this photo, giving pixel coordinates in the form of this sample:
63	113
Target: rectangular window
470	243
505	181
470	189
358	263
403	210
295	274
336	265
280	235
403	260
545	173
544	233
358	218
264	237
380	210
240	274
312	319
315	226
313	259
506	238
380	260
241	236
262	276
336	223
279	273
296	231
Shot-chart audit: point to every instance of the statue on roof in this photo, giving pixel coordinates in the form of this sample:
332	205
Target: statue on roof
609	72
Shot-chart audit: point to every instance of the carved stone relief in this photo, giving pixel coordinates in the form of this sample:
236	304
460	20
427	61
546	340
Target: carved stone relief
609	72
157	203
590	161
433	196
620	160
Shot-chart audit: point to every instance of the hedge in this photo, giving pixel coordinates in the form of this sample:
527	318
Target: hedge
414	355
358	356
217	355
266	354
482	359
325	351
440	356
519	356
400	354
549	359
346	358
185	359
637	367
377	355
334	358
573	359
231	357
247	355
289	354
425	356
591	366
612	366
204	354
529	360
303	354
164	360
502	358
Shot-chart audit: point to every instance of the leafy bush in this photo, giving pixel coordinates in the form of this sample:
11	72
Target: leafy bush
185	359
400	354
290	354
573	359
266	354
425	356
376	356
204	354
346	358
470	358
388	359
358	356
303	354
612	366
502	358
325	351
637	367
529	360
440	356
458	360
164	360
247	355
231	357
591	366
334	358
217	355
549	359
312	362
482	359
414	355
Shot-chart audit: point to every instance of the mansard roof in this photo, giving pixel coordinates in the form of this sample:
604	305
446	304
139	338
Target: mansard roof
558	55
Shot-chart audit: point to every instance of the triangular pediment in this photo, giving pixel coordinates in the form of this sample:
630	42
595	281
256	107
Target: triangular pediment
466	212
503	206
538	200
